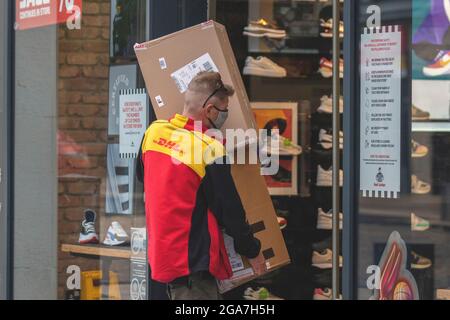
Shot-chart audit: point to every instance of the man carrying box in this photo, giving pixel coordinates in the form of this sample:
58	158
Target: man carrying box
189	200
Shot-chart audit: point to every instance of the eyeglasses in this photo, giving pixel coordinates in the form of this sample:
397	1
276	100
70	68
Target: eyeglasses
220	88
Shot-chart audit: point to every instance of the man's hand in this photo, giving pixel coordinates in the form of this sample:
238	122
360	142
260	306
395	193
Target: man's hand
258	264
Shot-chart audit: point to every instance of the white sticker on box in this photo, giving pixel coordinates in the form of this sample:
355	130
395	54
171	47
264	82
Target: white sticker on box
159	101
235	259
162	63
183	76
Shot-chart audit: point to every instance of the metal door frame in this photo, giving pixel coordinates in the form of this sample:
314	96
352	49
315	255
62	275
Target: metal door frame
7	150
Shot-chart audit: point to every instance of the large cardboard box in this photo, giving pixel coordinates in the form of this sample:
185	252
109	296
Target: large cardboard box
168	64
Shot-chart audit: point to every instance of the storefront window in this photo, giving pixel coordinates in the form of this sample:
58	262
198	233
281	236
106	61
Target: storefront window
79	220
284	51
403	214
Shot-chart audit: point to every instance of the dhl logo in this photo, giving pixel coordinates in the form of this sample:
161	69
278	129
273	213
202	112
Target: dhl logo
168	144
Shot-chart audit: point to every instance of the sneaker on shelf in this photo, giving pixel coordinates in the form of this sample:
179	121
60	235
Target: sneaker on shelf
326	139
87	233
328	24
325	177
116	235
259	294
418	150
419	262
325	219
263	28
328	28
282	222
263	67
285	146
324	259
418	186
324	294
440	65
419	115
326	105
418	223
326	68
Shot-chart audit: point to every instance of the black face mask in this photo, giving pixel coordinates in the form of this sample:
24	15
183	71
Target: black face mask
223	115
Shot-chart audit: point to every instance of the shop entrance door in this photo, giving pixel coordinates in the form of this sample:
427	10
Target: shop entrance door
396	201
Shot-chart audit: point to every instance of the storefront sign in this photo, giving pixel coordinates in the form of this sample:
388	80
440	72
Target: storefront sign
380	108
133	121
38	13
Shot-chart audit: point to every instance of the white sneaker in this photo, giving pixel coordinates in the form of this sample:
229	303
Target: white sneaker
418	150
260	294
418	186
116	235
285	146
263	67
326	105
264	28
418	223
326	139
325	177
324	259
325	219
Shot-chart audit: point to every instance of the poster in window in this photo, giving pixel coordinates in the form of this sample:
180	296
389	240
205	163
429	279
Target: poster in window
281	116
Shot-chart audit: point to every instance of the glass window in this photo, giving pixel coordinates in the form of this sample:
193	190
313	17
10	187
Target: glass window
402	241
284	51
79	219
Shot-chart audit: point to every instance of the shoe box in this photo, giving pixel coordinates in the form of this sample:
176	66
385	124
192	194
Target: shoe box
167	70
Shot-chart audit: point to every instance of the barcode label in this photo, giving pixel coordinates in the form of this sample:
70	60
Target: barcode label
162	63
235	259
207	66
236	266
184	75
159	101
178	84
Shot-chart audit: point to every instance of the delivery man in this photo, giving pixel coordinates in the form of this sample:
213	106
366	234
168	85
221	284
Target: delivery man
188	201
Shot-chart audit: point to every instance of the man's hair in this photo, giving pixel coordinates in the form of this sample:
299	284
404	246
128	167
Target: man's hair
207	82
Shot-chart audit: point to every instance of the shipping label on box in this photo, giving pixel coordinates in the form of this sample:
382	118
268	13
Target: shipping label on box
184	75
240	271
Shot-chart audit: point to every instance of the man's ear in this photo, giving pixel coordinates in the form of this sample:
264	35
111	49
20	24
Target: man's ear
209	108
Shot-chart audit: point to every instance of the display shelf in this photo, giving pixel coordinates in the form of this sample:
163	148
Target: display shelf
430	126
97	250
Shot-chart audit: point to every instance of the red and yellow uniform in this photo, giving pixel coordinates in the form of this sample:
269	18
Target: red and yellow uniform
189	198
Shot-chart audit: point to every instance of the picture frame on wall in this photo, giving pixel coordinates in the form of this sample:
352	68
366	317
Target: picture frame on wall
284	117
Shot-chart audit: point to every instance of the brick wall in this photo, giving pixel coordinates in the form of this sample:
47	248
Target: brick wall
82	135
